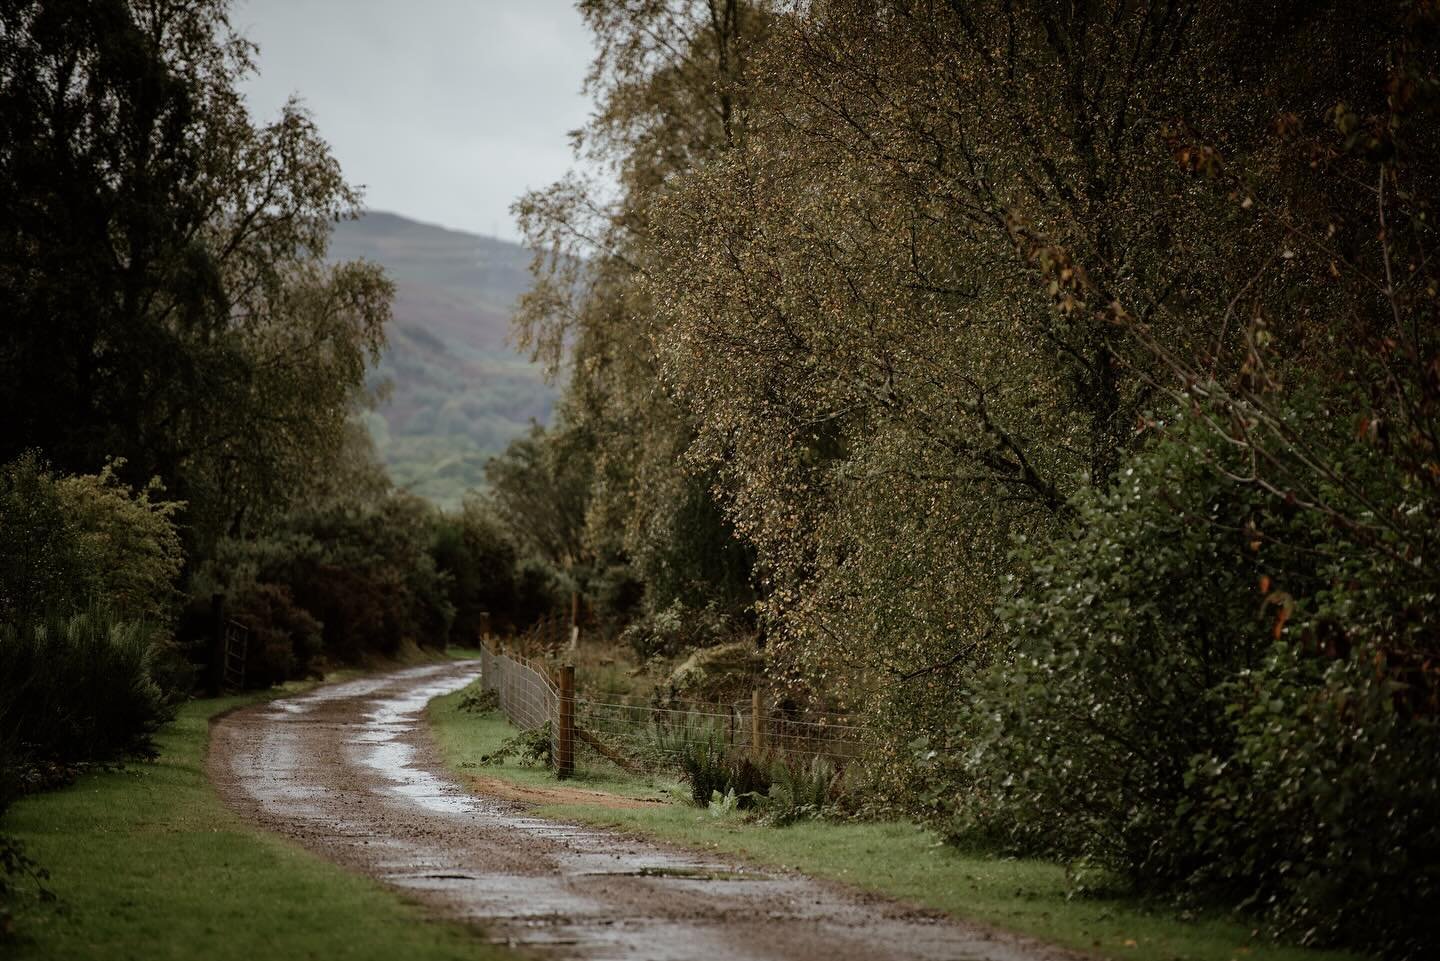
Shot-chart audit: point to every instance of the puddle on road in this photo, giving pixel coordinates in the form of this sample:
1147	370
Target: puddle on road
378	746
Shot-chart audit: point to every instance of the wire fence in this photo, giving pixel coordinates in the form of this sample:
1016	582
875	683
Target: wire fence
657	734
526	694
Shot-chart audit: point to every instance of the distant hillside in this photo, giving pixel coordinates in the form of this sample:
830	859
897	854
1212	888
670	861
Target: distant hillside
458	393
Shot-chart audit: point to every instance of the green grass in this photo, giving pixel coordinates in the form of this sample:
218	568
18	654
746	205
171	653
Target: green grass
465	738
896	859
148	863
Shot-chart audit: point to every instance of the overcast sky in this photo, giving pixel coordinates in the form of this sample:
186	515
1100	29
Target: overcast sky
446	110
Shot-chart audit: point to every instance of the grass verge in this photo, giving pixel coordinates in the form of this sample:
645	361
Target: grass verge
147	863
897	859
465	739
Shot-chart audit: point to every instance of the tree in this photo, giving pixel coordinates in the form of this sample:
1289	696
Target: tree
902	309
671	90
161	261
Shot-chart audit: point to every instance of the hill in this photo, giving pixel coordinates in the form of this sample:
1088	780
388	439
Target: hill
458	391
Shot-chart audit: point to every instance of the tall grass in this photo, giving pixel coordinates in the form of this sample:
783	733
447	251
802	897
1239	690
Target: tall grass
75	690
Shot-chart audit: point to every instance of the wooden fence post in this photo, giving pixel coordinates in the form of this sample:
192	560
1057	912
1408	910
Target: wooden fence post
757	723
565	740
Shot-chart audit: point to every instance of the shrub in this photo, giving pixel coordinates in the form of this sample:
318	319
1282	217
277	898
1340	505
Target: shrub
479	699
705	764
75	690
1326	814
128	542
1207	692
472	550
69	542
1079	742
532	748
538	590
40	562
284	640
712	767
359	566
677	628
800	788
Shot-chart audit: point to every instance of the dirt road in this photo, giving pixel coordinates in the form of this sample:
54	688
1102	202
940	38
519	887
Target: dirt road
349	771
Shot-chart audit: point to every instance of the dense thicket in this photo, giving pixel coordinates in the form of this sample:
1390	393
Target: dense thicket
1062	381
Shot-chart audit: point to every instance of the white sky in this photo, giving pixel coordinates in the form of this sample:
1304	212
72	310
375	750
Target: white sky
445	110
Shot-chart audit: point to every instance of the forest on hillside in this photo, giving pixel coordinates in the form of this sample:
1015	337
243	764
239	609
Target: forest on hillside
1055	386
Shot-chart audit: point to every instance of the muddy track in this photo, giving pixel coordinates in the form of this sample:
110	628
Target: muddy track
349	771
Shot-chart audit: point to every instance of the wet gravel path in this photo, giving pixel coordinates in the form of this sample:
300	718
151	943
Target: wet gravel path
349	771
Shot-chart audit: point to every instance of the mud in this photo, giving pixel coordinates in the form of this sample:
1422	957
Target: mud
349	771
558	793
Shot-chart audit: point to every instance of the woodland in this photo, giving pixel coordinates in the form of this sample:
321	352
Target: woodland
1054	385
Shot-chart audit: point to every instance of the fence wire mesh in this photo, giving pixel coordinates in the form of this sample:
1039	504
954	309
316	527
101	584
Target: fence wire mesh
656	735
526	694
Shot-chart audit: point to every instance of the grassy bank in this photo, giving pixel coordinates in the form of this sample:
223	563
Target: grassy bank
896	859
147	863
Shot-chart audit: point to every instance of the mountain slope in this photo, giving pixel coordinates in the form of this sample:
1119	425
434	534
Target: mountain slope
458	393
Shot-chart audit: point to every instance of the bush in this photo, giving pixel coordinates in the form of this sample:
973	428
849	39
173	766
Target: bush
1079	742
356	569
76	690
473	552
1207	692
128	542
40	560
285	639
704	762
531	748
538	591
800	788
1326	814
69	542
479	699
677	628
712	767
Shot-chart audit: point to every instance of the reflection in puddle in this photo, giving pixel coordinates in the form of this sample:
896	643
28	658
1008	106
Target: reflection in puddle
381	750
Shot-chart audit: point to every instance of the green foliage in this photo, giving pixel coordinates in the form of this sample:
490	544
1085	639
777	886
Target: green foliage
128	541
68	542
40	560
1078	741
532	748
14	862
76	690
285	639
1326	814
705	763
677	629
87	585
351	565
166	297
540	488
478	699
713	768
475	553
1207	694
801	788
